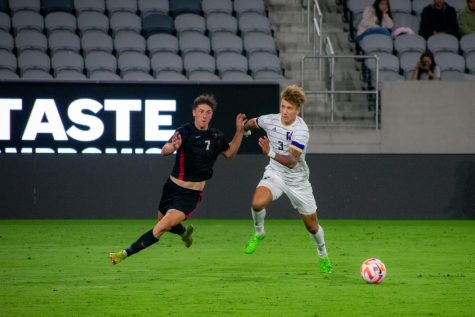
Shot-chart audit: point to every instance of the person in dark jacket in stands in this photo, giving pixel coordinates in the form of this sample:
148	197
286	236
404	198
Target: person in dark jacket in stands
438	17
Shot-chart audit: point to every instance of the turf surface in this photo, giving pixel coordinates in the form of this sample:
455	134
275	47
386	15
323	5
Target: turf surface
60	268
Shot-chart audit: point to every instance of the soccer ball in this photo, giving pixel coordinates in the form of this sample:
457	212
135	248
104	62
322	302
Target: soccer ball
373	271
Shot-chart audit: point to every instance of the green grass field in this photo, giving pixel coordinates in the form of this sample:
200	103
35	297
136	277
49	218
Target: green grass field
60	268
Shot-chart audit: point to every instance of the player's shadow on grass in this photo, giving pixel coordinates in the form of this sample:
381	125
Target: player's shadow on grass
462	205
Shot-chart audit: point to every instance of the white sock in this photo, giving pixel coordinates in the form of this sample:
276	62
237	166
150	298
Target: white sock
319	240
258	218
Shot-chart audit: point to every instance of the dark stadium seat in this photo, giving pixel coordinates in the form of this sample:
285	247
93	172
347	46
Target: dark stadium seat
157	23
48	6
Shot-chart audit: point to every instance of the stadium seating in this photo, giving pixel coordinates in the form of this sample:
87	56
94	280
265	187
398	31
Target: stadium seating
442	43
30	5
8	61
194	42
147	7
92	20
67	60
408	46
89	5
27	20
217	6
249	6
125	21
63	40
221	22
114	6
4	7
162	42
100	60
231	62
33	59
198	61
157	23
137	40
6	41
409	43
60	21
49	6
168	75
5	22
96	40
166	61
190	22
30	40
178	7
226	42
254	22
377	43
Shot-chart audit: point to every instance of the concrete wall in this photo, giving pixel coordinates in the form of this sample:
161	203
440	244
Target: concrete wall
428	117
416	117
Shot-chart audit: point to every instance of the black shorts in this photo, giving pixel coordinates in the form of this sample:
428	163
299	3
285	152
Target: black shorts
179	198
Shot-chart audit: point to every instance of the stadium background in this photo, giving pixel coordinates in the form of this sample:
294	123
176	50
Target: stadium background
422	169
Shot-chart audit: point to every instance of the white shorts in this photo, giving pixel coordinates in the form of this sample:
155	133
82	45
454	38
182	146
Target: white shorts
300	194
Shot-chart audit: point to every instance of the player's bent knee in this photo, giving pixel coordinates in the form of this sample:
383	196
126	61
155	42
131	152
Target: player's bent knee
159	229
258	205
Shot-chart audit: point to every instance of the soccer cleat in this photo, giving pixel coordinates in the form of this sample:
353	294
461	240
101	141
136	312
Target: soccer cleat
251	246
117	257
325	265
186	237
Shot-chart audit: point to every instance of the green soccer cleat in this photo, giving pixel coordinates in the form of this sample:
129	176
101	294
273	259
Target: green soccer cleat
186	237
251	246
325	265
117	257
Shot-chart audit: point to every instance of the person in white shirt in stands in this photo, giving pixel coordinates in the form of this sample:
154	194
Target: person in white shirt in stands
287	171
376	20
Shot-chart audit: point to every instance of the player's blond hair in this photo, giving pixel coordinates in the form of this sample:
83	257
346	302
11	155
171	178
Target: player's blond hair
294	94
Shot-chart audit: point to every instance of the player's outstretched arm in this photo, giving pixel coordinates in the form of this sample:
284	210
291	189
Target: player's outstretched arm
251	124
172	145
290	160
237	139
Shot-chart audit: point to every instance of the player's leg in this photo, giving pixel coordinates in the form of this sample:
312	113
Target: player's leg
185	200
302	198
179	229
261	199
150	237
318	236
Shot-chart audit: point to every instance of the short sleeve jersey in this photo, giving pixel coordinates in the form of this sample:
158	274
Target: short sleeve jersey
282	137
198	152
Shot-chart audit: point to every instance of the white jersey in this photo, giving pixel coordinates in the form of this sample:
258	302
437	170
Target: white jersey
283	137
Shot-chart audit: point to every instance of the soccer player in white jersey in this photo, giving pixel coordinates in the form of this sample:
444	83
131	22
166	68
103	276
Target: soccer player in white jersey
287	172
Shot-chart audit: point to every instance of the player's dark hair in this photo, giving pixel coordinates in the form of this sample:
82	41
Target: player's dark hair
207	99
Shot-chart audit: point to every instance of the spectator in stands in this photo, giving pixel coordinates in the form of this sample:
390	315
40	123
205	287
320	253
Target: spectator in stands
438	17
426	68
376	19
467	18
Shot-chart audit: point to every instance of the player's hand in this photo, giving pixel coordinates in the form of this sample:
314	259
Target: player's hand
240	122
264	144
176	140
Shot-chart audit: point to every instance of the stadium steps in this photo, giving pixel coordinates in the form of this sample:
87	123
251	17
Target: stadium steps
289	22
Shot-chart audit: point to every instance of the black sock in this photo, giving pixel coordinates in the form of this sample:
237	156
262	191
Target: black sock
146	240
178	229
